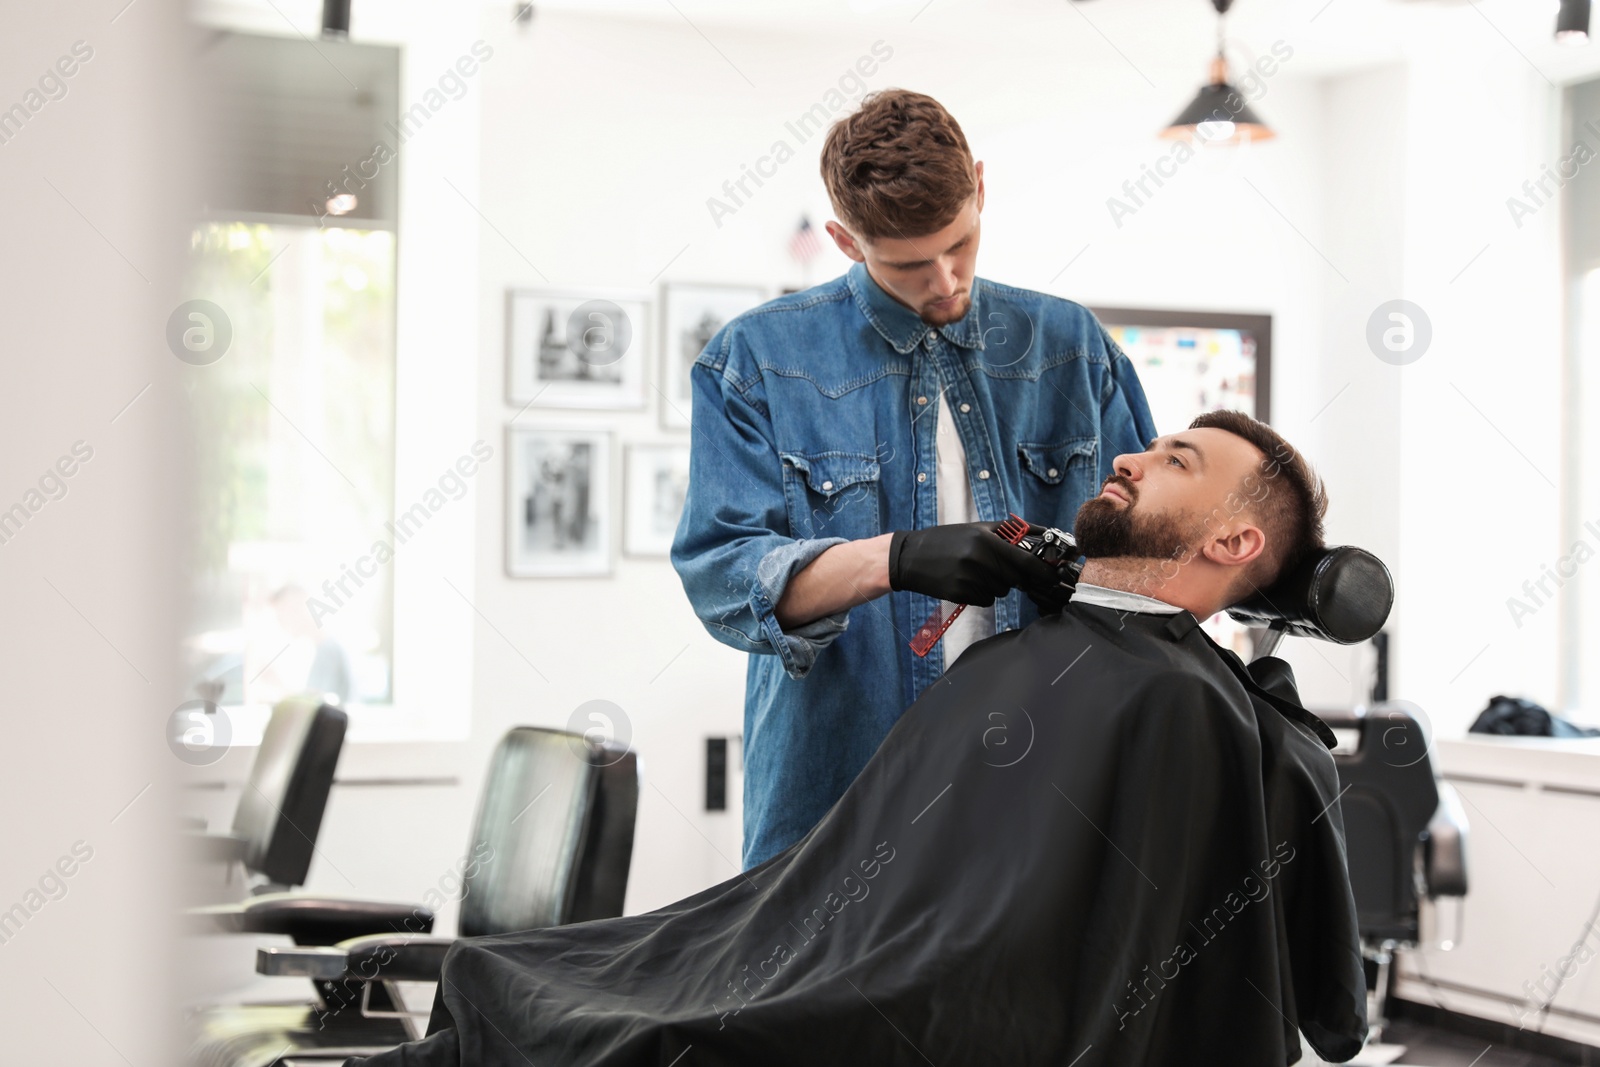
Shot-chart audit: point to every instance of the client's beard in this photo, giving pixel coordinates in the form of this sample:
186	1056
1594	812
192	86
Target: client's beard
1106	529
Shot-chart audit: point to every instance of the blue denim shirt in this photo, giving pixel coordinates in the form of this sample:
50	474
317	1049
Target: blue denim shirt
813	424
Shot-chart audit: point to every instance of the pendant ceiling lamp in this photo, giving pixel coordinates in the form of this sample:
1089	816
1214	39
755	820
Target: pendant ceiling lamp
1219	114
1572	22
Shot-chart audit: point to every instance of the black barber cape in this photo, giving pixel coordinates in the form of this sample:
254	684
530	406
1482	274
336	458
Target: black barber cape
1096	840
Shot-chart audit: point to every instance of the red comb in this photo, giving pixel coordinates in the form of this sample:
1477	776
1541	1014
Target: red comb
1013	530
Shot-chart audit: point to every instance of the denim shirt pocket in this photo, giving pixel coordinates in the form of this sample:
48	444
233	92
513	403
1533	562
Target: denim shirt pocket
831	494
1062	475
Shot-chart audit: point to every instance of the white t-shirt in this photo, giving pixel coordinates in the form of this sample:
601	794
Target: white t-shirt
955	504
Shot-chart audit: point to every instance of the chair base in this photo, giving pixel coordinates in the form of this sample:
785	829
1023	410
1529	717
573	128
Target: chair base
264	1035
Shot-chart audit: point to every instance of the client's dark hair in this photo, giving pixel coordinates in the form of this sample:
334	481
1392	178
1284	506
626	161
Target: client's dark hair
1293	507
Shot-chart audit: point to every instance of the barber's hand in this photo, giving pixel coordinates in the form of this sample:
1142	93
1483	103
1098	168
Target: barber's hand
967	563
1052	596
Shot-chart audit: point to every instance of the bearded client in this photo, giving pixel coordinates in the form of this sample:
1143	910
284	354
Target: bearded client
1096	840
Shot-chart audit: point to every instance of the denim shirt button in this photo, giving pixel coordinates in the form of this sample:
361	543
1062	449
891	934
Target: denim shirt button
1052	472
922	400
826	486
983	474
922	476
965	408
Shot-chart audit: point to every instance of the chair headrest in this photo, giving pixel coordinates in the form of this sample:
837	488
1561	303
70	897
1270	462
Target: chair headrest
1342	594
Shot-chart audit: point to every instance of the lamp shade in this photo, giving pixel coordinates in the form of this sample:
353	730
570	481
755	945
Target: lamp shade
1219	114
1572	22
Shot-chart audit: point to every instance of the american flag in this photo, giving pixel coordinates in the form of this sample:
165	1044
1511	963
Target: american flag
804	246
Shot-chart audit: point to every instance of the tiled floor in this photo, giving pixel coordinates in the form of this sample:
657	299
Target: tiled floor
1427	1046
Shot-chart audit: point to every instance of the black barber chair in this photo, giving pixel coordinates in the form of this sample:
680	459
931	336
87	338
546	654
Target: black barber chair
552	844
280	811
1405	835
1405	832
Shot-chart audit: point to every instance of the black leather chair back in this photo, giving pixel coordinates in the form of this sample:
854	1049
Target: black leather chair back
280	811
608	850
1341	594
1390	796
558	813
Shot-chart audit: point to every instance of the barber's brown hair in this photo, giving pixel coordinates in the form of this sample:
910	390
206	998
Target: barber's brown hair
1292	509
898	167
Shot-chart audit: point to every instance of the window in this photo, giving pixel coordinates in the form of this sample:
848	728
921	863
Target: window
1573	577
295	447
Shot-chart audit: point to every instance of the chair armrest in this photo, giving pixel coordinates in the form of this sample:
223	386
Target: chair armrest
312	920
1445	852
363	959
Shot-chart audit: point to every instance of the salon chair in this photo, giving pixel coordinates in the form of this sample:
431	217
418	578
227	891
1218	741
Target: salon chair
1405	836
552	841
1405	830
275	826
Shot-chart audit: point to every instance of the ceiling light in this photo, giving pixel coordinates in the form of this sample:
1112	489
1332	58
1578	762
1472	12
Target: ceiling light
1219	113
336	19
1572	24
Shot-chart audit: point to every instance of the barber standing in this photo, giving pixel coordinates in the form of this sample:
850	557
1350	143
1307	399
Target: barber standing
865	437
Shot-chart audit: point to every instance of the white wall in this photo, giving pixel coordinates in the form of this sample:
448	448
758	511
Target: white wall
92	249
602	139
1480	414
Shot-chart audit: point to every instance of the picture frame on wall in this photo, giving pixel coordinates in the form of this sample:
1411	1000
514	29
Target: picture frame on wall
691	314
1194	361
578	348
655	484
558	494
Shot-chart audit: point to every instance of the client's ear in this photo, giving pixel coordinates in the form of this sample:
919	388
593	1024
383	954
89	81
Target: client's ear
1236	547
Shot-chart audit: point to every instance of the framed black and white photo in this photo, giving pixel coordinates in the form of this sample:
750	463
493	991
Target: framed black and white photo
575	349
691	315
558	493
655	484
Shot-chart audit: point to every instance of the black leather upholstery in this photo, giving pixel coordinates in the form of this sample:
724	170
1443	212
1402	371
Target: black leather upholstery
397	958
313	920
280	811
561	844
1342	594
1389	797
608	850
558	812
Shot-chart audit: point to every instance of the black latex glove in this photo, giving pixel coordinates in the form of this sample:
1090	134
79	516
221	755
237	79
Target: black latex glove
1052	596
967	563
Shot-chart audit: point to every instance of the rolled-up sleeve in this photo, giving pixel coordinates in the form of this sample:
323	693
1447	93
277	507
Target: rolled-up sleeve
732	548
